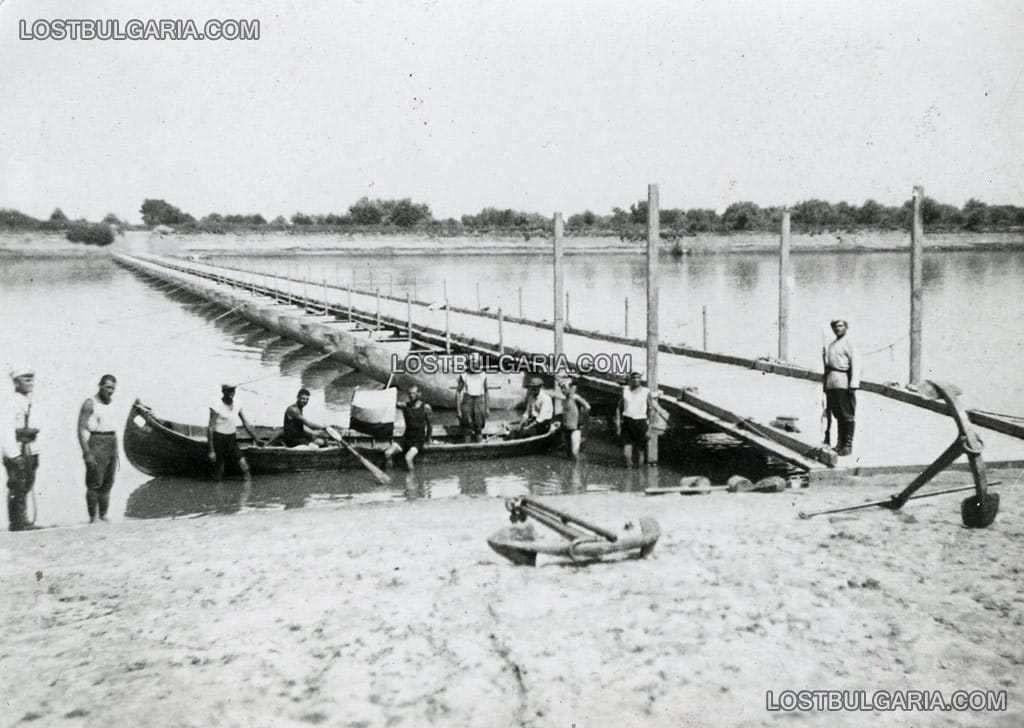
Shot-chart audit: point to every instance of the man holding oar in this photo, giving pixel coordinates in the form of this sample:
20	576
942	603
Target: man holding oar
298	430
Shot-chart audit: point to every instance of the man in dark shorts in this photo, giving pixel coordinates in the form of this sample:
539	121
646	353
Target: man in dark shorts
225	416
97	435
298	430
418	429
574	411
631	418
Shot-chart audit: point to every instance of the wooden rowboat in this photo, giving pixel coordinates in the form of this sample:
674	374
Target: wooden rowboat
160	447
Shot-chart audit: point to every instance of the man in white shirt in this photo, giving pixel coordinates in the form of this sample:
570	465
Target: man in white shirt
471	401
17	438
225	416
631	418
841	381
540	410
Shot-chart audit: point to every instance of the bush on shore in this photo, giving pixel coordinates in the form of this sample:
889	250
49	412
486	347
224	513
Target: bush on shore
90	233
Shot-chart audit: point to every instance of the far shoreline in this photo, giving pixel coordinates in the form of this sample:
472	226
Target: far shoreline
264	244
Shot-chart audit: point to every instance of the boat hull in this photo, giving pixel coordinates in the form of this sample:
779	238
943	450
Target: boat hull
160	447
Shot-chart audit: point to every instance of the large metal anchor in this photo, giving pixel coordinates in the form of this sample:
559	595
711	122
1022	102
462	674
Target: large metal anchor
976	511
586	541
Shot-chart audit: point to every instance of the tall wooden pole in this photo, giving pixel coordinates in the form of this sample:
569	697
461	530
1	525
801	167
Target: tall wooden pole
784	288
520	301
625	320
501	331
653	237
916	279
408	316
378	309
704	319
447	329
559	288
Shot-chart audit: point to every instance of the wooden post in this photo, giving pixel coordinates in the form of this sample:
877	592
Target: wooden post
559	286
784	288
447	329
415	297
325	292
704	318
501	331
520	301
349	291
625	319
408	315
305	292
653	237
916	280
391	284
444	291
378	309
567	319
478	304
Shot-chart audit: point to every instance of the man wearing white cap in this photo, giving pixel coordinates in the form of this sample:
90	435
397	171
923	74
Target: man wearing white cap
16	441
225	417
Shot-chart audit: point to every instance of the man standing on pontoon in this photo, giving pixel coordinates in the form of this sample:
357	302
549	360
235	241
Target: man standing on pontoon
841	382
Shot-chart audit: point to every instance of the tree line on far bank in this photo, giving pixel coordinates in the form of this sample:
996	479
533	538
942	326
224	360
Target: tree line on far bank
366	215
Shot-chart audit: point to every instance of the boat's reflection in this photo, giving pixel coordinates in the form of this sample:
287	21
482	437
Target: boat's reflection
167	497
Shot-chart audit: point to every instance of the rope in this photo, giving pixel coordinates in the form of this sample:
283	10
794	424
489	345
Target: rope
890	346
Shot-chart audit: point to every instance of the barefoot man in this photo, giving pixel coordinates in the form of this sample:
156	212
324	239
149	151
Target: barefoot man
97	435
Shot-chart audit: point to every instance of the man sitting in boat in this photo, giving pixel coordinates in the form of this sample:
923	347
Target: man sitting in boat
418	429
300	431
540	410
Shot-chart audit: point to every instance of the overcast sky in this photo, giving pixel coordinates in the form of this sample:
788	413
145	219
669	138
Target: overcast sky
542	106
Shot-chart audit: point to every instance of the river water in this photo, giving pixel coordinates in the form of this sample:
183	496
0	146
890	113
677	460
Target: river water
75	319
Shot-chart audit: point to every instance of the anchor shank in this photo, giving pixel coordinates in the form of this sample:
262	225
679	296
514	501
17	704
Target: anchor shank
942	462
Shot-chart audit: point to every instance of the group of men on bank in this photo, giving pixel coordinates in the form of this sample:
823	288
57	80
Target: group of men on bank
96	436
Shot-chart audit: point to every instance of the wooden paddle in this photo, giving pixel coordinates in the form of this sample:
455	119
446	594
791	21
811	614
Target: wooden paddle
382	477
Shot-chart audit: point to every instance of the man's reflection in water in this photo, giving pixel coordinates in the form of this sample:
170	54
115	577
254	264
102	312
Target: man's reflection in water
233	496
413	487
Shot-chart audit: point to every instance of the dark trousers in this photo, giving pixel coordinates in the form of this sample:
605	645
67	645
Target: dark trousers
474	417
99	477
842	405
21	478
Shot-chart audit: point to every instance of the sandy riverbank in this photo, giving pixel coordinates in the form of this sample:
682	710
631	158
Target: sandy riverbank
386	615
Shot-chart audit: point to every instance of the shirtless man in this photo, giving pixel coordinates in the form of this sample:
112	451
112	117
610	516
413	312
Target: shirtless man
299	431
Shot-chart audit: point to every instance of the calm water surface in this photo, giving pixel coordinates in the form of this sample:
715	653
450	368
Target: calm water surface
76	319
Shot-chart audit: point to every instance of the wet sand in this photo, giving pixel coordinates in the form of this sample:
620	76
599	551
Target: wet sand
400	614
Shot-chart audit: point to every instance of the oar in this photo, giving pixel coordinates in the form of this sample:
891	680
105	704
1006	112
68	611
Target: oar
382	477
888	502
